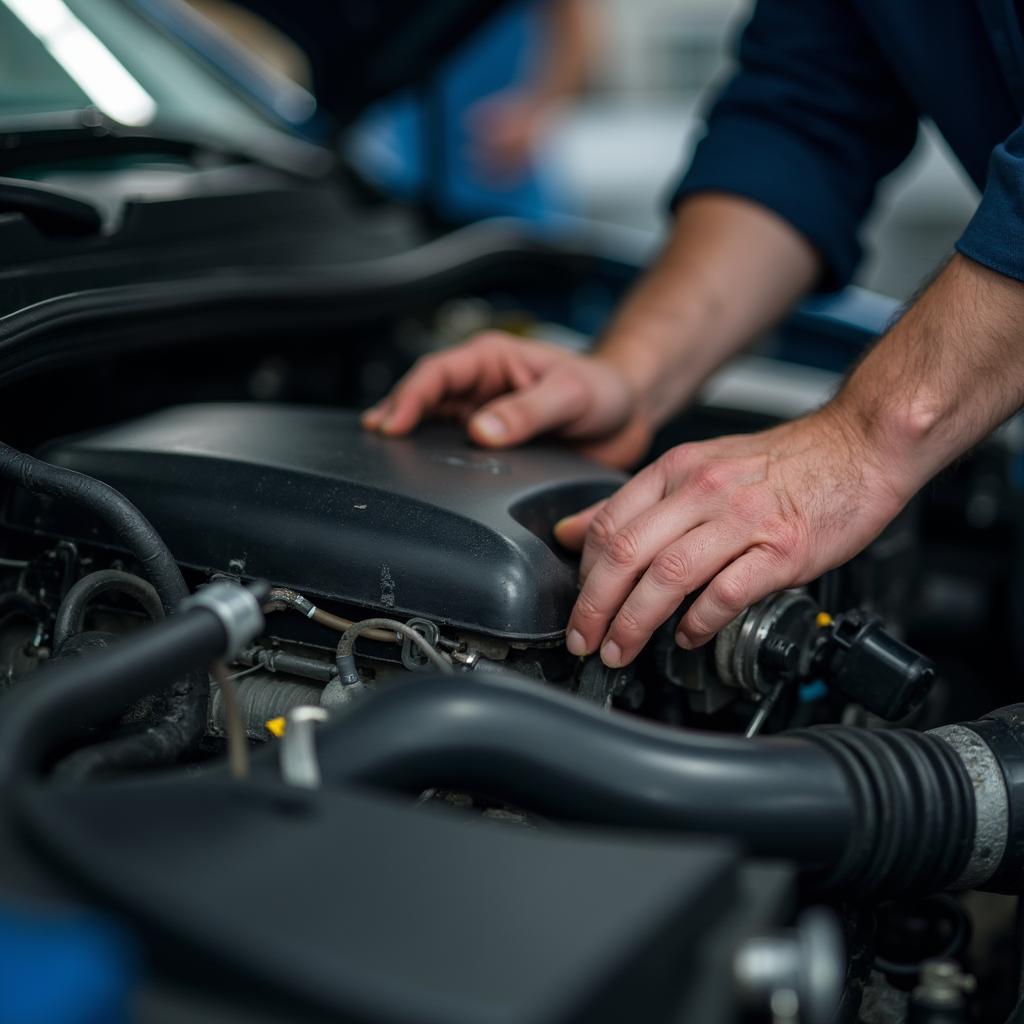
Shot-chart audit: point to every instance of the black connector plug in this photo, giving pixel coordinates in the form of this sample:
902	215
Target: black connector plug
875	669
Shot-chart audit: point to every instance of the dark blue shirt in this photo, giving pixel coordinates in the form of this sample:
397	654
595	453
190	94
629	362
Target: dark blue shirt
827	101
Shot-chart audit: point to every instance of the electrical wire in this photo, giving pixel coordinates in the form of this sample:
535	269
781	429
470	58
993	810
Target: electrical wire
238	744
293	601
764	709
245	672
364	628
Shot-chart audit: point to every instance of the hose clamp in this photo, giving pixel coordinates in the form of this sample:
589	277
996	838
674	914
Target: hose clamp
991	803
237	609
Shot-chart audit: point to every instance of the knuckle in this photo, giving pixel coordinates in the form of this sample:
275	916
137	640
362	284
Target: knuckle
571	386
623	550
710	478
731	593
602	528
784	538
627	625
697	628
586	610
671	568
677	460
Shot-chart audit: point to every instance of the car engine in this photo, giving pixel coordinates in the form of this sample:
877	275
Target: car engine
259	664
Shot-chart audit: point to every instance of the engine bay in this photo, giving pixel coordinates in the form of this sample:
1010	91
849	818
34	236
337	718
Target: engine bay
242	639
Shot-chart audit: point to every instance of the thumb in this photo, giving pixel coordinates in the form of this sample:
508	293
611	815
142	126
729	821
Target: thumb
571	531
555	400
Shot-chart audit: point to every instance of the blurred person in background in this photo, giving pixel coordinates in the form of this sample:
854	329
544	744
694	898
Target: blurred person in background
470	143
826	101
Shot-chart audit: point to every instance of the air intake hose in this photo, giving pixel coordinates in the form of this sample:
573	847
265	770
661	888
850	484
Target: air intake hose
862	810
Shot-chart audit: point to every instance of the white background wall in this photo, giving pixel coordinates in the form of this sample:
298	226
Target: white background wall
624	146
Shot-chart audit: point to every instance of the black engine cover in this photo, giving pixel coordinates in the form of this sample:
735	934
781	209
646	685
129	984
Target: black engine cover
304	498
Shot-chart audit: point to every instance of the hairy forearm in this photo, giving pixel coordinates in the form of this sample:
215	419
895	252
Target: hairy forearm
729	271
950	371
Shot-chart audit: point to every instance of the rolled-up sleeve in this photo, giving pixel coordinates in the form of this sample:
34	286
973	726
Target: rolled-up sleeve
995	235
812	120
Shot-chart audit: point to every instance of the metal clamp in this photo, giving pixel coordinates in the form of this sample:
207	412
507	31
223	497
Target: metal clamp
237	609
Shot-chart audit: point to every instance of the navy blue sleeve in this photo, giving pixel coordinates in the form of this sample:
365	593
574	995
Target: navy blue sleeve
811	121
995	235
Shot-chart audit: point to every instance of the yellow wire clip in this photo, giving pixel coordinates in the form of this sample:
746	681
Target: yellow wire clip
276	726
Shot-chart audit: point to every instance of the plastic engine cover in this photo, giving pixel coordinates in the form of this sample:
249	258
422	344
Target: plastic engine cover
304	497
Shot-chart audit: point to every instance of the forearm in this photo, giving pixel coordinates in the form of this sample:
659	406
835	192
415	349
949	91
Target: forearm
949	372
729	271
570	52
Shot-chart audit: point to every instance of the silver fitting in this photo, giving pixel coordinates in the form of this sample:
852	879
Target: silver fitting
795	975
738	647
237	609
943	985
299	763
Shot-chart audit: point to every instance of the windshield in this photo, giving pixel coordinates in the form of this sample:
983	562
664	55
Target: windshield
60	55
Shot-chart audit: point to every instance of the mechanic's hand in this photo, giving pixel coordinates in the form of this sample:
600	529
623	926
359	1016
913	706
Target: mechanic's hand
746	515
508	390
505	131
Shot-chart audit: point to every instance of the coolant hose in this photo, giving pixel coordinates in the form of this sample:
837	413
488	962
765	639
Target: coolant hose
829	809
70	619
187	697
128	524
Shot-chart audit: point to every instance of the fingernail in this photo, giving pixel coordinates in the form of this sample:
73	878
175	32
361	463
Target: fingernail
611	654
563	523
490	427
575	642
682	640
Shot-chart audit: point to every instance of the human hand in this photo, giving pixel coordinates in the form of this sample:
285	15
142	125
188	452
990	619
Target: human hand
508	390
747	515
505	131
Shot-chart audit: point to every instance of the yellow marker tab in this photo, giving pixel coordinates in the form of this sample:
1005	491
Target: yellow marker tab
276	726
824	620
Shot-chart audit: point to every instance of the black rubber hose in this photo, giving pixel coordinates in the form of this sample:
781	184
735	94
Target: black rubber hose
559	757
859	809
48	710
184	718
129	525
70	619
